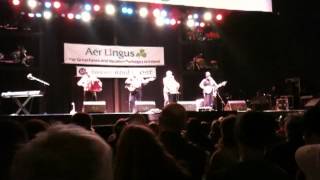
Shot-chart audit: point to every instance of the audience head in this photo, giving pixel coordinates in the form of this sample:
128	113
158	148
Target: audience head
308	160
119	125
82	119
294	127
173	117
136	119
312	125
34	126
154	126
227	131
64	152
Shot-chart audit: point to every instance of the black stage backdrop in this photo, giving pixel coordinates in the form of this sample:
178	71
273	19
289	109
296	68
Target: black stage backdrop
255	52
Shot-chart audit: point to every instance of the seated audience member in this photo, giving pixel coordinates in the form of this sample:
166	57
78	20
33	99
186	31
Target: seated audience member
172	121
34	126
65	152
12	137
196	134
141	156
82	119
227	153
154	126
308	160
311	125
116	130
283	153
137	119
254	132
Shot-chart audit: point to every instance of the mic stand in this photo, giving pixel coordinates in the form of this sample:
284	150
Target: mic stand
40	81
222	101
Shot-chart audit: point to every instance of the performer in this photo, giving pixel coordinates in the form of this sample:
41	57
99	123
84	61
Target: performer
170	88
91	85
208	85
134	85
210	90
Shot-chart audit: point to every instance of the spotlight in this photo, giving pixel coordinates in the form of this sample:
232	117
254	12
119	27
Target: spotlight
32	4
190	16
143	12
196	24
78	16
47	15
110	9
31	15
190	23
38	15
164	13
173	22
202	24
130	11
167	21
86	17
124	10
47	5
56	4
96	7
219	17
159	22
207	16
156	12
195	16
70	15
16	2
87	7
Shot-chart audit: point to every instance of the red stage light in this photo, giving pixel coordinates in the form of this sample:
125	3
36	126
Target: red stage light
219	17
57	4
16	2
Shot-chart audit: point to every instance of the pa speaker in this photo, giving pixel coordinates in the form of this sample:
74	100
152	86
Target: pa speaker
142	106
313	102
236	105
189	105
94	106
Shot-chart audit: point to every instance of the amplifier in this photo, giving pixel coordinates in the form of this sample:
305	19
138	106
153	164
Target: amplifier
189	105
94	106
142	106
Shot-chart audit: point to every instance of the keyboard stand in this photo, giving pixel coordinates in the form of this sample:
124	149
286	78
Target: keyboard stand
22	106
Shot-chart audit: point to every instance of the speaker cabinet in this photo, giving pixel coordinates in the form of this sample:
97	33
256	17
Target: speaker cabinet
189	105
313	102
142	106
236	105
94	106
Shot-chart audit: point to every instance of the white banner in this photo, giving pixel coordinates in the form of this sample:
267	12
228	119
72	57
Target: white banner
113	55
244	5
116	72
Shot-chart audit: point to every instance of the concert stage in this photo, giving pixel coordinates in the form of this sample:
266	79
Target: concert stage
107	119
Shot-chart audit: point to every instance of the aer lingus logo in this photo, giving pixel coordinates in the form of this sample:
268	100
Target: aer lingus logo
141	53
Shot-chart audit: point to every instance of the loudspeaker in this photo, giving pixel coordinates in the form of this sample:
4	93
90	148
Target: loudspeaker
313	102
142	106
189	105
236	105
282	103
94	106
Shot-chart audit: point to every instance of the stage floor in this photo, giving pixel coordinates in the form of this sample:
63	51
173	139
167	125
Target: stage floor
102	119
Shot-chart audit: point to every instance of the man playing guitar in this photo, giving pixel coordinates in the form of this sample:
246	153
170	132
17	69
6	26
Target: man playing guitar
134	85
210	89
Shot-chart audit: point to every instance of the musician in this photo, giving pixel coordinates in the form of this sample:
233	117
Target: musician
208	85
91	85
134	84
170	88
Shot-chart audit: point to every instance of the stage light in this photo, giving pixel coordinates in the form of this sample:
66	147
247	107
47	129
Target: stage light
164	13
130	11
16	2
156	12
31	15
190	23
143	12
219	17
110	9
173	22
178	22
166	21
195	16
96	7
196	24
207	16
70	15
87	7
47	15
38	15
159	22
124	10
202	24
190	16
32	4
47	5
63	15
85	16
56	4
78	16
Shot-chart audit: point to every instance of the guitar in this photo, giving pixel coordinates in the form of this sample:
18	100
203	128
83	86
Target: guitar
213	89
137	84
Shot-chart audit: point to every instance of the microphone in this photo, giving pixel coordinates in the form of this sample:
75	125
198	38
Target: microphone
30	77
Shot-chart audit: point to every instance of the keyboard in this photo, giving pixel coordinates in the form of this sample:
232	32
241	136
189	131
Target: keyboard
17	94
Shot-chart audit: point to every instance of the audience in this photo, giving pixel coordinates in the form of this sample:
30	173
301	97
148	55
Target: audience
64	152
141	156
82	119
34	126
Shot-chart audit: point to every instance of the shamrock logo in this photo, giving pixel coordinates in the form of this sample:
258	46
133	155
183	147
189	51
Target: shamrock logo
141	53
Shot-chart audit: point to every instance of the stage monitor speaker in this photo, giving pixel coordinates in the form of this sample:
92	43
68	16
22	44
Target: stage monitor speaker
142	106
189	105
313	102
94	106
236	105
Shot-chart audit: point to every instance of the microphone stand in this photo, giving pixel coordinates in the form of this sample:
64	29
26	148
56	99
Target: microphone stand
39	80
222	101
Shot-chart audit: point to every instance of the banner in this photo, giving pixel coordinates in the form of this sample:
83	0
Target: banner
116	72
244	5
113	55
